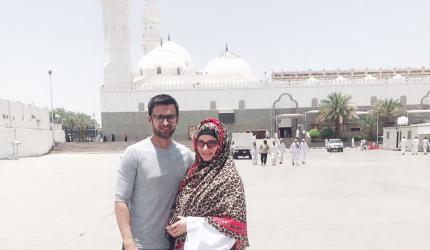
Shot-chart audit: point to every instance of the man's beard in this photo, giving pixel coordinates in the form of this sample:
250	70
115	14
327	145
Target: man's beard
164	135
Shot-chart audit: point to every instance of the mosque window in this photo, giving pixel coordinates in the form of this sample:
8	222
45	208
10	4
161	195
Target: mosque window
242	104
373	100
178	71
212	105
409	134
314	102
158	70
403	100
141	107
141	72
388	135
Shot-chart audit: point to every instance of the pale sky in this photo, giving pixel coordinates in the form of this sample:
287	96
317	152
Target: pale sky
66	36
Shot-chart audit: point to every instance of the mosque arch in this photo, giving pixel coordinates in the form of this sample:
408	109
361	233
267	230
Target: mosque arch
314	103
158	70
425	100
285	100
373	100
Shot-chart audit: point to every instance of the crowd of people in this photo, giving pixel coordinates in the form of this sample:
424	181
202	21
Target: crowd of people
298	150
415	145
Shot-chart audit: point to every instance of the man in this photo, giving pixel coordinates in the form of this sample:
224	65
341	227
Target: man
403	145
304	148
264	150
148	179
254	153
295	152
274	153
426	145
281	149
415	144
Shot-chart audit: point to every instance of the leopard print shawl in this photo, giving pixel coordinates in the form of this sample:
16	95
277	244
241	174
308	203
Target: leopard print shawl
214	190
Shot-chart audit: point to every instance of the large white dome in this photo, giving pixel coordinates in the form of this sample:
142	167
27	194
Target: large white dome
166	59
229	64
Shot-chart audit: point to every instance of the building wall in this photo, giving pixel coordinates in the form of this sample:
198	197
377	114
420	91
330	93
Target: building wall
258	96
27	124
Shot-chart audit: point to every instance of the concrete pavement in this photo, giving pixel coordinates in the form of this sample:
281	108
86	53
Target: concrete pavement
350	200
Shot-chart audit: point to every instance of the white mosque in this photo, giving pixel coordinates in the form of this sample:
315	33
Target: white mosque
226	88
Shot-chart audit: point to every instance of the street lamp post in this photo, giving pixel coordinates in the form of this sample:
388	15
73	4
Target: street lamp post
377	130
52	107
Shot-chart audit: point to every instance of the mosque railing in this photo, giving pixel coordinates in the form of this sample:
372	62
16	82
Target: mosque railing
272	84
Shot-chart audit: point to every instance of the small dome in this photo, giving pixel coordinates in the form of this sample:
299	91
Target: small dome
229	64
165	60
179	50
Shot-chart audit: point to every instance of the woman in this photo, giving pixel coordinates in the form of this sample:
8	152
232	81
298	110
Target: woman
209	212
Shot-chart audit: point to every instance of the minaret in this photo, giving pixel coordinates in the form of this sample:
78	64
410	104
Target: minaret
117	43
151	21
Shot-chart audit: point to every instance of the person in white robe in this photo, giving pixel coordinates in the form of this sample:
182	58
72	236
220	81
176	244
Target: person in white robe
403	145
415	145
295	152
304	149
281	150
352	142
254	153
426	144
274	152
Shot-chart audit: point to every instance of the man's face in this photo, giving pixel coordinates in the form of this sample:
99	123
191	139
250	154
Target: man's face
164	120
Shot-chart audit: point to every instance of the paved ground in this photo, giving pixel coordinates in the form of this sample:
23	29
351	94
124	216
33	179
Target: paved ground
351	200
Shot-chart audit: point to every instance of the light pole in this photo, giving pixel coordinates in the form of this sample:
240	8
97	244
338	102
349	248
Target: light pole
52	108
377	129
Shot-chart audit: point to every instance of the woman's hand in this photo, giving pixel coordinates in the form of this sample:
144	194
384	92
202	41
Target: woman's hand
178	228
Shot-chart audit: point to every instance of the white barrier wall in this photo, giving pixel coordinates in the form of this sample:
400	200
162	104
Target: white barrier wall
27	124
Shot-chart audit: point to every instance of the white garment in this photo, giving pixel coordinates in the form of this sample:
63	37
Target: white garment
295	152
403	144
274	154
426	145
254	155
281	150
203	236
304	148
352	142
415	144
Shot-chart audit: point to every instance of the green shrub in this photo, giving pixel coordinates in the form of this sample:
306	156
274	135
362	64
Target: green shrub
327	133
314	133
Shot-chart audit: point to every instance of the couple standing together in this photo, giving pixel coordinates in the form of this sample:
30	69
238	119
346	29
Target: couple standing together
167	198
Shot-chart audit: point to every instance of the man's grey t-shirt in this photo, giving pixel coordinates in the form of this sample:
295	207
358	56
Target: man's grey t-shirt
148	180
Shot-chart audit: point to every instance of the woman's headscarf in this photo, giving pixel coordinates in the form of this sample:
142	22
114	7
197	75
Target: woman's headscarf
214	190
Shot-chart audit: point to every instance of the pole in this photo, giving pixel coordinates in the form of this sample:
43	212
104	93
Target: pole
377	130
52	108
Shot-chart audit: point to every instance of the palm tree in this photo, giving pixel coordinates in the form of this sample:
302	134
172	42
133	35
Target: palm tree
337	108
368	123
388	110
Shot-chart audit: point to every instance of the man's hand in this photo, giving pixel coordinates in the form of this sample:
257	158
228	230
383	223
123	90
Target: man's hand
130	245
178	228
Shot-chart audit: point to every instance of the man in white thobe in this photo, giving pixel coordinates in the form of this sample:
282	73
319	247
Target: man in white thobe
274	153
403	145
254	153
426	145
304	148
282	150
295	152
415	144
352	142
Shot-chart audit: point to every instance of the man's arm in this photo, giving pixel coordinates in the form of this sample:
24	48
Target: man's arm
123	218
123	193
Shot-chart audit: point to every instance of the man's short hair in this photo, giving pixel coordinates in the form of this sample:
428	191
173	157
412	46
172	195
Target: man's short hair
162	99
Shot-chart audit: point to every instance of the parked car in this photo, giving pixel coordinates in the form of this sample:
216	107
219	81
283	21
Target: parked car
335	145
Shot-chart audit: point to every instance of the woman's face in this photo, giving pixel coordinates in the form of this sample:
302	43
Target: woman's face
207	146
